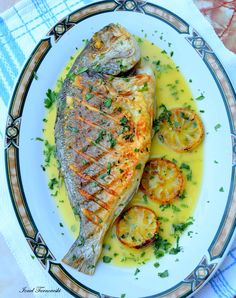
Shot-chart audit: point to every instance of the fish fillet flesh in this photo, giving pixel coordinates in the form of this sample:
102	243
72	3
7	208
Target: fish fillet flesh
103	133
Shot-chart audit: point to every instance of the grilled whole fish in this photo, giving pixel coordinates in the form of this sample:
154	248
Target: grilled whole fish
103	136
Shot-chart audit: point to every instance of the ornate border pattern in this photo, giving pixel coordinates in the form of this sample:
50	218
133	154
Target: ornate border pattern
58	272
26	78
201	273
226	228
40	250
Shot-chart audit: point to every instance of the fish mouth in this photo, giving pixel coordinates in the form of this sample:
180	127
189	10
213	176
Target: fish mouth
111	51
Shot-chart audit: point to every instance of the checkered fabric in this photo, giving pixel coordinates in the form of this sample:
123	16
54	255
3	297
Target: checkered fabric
21	28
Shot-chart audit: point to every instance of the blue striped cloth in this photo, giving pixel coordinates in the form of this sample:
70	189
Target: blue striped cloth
21	28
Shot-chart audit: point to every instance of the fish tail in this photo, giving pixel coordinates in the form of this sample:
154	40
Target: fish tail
83	256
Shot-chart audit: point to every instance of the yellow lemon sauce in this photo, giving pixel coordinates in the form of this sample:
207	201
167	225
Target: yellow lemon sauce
173	91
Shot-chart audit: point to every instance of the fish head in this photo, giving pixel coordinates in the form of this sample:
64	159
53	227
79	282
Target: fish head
112	50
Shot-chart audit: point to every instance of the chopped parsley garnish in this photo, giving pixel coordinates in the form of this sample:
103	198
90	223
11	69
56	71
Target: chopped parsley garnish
61	225
188	171
100	136
111	140
221	189
165	114
181	227
142	254
217	126
191	232
107	103
145	198
50	99
164	219
139	166
48	152
129	137
156	62
39	139
162	68
156	126
103	176
122	295
81	241
88	96
85	148
74	210
164	206
109	168
160	246
106	259
163	274
184	116
94	184
139	39
144	87
81	70
175	208
173	88
185	166
156	265
123	121
175	250
136	271
73	129
201	97
146	58
106	246
189	176
183	195
71	76
52	182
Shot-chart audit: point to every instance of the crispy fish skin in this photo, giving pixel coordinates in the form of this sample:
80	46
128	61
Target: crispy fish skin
103	138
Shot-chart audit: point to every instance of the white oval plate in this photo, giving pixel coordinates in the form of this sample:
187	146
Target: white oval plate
37	214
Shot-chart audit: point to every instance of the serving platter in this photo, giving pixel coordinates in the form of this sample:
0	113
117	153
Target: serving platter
37	213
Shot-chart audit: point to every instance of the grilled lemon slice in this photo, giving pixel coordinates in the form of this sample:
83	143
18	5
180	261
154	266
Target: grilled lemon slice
162	180
137	226
182	131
